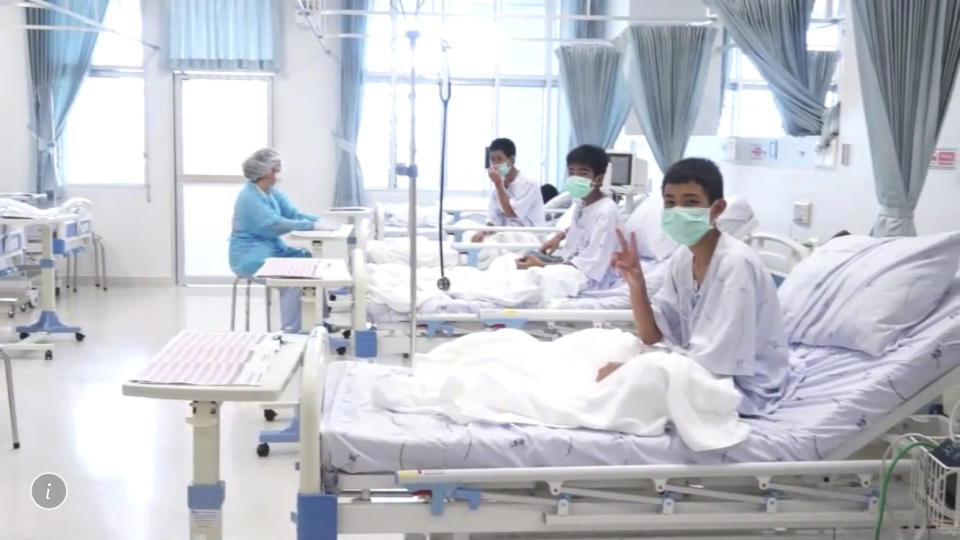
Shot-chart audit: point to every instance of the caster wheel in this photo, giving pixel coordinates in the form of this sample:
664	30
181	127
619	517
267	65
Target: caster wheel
24	307
32	304
16	446
57	292
24	335
79	336
269	414
341	351
263	449
74	290
48	355
346	334
333	298
11	313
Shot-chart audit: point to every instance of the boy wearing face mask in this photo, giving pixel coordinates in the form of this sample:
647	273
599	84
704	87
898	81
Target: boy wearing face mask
718	305
591	238
515	200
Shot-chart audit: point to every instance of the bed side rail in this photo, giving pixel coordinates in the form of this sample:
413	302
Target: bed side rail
782	258
313	375
359	289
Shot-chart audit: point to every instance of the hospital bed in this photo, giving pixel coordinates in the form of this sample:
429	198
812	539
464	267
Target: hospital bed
73	234
16	289
367	470
380	330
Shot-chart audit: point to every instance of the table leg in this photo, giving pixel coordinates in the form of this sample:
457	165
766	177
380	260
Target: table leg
48	322
308	309
206	494
316	249
12	402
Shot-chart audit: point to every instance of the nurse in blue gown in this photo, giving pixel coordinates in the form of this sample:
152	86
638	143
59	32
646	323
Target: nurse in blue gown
261	215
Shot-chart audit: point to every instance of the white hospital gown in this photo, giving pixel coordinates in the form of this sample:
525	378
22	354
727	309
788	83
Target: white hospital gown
526	201
731	325
591	240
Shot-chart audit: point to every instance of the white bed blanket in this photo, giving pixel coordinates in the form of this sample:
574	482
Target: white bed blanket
510	377
397	250
501	284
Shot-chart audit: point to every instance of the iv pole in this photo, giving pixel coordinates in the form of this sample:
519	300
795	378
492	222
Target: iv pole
410	171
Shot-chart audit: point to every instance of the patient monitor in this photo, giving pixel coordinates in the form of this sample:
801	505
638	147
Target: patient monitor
626	176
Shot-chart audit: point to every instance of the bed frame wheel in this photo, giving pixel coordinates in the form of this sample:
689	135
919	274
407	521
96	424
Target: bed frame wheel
48	355
80	336
11	313
346	334
341	351
269	415
24	335
263	449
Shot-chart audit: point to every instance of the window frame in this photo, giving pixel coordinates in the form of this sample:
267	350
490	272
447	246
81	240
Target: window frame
399	81
835	13
115	72
181	179
179	77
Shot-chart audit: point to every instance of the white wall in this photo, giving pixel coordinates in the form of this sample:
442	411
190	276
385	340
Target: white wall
138	224
15	140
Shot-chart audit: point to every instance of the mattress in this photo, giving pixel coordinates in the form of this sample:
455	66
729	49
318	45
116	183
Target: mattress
843	393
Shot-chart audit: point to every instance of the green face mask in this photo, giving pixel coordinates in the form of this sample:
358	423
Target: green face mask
686	225
579	186
503	169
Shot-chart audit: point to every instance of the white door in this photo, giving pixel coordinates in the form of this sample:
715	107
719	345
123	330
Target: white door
221	120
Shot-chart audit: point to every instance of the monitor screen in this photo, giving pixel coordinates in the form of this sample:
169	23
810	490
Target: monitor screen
620	169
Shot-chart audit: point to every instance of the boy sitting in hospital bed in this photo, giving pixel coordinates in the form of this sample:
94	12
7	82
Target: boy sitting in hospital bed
590	240
718	305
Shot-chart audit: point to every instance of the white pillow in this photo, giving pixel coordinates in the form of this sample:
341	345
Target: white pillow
862	293
652	242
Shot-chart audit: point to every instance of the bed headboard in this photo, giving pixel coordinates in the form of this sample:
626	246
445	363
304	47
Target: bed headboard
778	253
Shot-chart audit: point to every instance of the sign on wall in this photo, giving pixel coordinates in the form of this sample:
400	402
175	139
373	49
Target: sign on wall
944	158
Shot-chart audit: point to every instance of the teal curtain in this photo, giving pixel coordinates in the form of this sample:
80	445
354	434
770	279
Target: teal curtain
773	35
224	35
59	62
585	29
592	81
665	67
907	57
349	180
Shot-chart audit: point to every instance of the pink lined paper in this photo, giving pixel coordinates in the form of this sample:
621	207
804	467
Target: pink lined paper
200	358
289	268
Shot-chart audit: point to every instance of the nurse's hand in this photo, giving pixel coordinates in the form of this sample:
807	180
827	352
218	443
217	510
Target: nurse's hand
607	370
626	261
478	237
495	177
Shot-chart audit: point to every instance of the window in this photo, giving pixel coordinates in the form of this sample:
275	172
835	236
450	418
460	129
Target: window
748	106
504	85
104	136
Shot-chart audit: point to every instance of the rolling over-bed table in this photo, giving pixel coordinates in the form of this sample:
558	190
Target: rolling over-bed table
205	494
